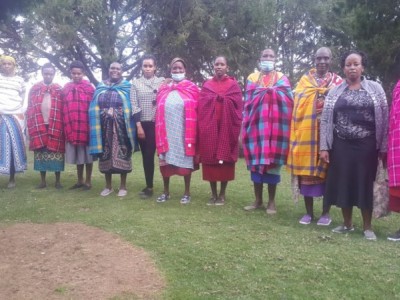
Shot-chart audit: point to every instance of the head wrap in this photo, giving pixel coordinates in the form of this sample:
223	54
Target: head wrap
176	59
8	58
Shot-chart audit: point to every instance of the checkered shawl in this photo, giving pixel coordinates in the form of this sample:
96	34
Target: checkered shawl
123	89
303	156
266	121
189	93
394	139
219	142
76	98
39	136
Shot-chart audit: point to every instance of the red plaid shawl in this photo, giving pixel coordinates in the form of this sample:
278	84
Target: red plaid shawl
189	93
266	120
394	139
77	97
219	142
39	136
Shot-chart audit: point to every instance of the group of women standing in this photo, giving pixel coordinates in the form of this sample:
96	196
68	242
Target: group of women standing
330	132
187	126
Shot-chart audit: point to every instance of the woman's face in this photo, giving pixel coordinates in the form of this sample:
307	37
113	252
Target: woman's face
7	68
220	67
77	75
148	68
115	72
268	54
322	61
178	68
353	67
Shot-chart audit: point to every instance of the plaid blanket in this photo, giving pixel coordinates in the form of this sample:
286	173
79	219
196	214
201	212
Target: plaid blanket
219	141
189	92
123	89
394	139
309	96
76	98
266	120
40	136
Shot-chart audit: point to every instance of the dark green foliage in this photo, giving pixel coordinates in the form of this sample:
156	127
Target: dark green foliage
374	27
99	32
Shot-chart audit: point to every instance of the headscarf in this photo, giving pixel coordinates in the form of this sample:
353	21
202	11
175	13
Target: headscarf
176	59
8	58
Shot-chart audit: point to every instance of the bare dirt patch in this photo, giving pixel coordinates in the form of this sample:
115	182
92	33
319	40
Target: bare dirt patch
73	261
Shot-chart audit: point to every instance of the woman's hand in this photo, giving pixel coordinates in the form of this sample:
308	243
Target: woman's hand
140	131
324	156
383	157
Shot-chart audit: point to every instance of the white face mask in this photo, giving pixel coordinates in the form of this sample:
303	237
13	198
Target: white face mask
177	76
267	65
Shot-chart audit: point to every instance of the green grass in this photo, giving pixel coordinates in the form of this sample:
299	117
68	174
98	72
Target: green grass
222	252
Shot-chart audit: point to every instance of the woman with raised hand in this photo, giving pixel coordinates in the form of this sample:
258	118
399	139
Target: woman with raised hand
176	128
354	124
220	117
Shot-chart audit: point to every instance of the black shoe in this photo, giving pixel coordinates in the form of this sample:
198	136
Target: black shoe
146	193
394	237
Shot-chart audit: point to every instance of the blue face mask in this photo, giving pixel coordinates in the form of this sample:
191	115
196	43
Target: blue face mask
267	65
177	76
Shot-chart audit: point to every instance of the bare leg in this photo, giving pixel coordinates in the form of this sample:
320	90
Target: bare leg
166	185
79	170
367	216
214	192
42	180
309	203
187	179
271	197
347	216
123	181
58	183
89	169
325	209
258	193
11	181
224	184
108	177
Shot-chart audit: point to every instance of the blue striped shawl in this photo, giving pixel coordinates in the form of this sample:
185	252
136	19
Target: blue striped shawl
123	89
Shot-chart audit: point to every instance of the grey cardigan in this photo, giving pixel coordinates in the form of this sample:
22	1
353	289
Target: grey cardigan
377	94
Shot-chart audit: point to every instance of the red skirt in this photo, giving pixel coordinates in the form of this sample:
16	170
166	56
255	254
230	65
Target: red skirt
394	199
170	170
224	172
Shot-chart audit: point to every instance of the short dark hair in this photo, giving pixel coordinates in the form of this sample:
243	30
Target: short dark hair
77	64
48	66
149	56
222	56
364	58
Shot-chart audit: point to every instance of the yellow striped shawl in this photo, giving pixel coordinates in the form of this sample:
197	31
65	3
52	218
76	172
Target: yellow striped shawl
304	132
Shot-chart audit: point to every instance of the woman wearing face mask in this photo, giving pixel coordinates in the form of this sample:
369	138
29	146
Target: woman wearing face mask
143	99
266	128
176	127
220	119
